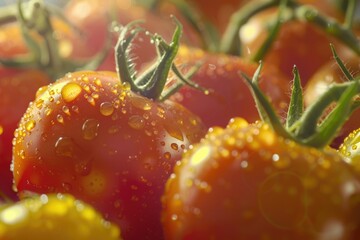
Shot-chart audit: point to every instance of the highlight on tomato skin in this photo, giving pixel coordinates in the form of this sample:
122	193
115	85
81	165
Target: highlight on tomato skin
87	134
246	182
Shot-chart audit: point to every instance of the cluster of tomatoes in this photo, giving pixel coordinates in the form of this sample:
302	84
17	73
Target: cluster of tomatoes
180	119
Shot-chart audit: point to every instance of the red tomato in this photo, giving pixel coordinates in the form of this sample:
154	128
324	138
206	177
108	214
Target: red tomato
228	95
19	85
298	43
93	17
89	135
323	78
247	182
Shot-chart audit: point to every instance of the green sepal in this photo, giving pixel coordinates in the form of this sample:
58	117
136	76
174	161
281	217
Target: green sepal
341	64
151	82
296	105
184	79
124	64
264	106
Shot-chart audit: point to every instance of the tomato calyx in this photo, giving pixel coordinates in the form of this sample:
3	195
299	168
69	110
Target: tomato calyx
151	82
309	126
34	19
230	42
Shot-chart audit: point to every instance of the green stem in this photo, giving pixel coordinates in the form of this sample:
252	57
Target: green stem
330	26
350	13
272	35
230	42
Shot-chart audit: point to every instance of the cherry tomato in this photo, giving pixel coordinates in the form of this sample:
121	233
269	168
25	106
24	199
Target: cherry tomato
89	135
247	182
54	216
227	94
299	43
18	83
93	17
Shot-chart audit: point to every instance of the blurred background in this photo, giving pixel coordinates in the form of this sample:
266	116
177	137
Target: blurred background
57	2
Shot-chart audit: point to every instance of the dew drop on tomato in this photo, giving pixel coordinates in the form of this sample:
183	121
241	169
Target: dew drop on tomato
136	122
65	146
90	129
30	125
141	103
174	146
66	110
106	108
70	91
60	118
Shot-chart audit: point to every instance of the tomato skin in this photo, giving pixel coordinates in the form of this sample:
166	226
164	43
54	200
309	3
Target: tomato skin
246	182
89	135
92	16
322	79
229	96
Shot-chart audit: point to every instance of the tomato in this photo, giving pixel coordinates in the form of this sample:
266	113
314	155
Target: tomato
298	43
18	84
54	216
322	79
227	95
218	13
247	182
90	136
92	17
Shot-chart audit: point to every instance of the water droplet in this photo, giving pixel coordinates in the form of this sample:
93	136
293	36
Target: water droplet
136	122
39	103
40	91
174	146
141	103
98	82
174	132
75	109
106	108
64	147
60	118
167	155
66	110
90	99
30	125
90	129
70	91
